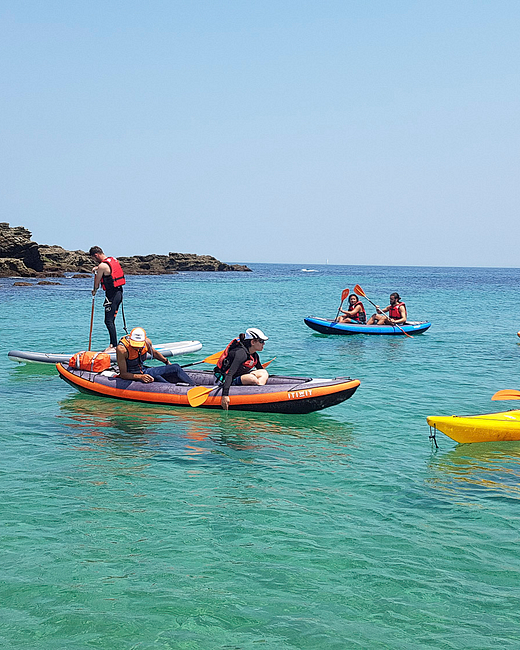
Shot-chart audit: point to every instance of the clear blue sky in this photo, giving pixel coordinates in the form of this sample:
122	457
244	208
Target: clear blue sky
358	132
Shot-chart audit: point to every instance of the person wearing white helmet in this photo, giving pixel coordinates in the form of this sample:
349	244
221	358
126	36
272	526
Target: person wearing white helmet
131	353
239	364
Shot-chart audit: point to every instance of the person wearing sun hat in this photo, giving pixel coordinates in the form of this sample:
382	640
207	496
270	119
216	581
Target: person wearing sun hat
131	353
239	364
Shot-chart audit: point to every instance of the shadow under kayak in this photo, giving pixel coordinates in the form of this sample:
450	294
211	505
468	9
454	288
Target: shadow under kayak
166	349
490	427
279	395
325	326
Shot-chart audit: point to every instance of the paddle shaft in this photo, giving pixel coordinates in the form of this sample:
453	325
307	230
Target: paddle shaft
91	325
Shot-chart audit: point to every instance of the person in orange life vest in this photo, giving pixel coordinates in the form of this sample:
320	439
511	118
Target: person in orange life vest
396	313
356	312
131	353
110	276
239	364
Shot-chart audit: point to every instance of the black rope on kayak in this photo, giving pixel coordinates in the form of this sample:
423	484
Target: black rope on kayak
432	436
123	315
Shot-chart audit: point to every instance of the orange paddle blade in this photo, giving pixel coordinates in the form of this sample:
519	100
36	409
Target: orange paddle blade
199	394
359	291
344	294
213	358
506	394
268	362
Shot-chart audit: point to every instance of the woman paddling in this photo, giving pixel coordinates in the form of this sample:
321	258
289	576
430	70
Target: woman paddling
239	364
396	313
356	312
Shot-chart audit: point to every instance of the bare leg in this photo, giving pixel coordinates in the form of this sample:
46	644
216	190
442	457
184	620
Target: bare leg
255	378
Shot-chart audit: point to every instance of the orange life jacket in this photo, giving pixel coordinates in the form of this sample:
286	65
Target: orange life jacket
116	277
136	356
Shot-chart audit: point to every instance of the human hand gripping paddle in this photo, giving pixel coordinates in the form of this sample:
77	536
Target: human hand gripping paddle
199	394
360	292
344	296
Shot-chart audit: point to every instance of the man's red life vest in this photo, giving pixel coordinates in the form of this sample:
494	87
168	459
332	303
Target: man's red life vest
394	311
116	277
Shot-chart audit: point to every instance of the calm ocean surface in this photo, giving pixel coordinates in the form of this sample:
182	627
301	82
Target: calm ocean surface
127	526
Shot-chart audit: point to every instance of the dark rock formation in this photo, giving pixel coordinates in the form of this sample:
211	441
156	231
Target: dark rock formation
173	263
21	257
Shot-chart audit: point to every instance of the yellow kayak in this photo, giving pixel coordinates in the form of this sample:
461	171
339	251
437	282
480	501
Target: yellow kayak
490	427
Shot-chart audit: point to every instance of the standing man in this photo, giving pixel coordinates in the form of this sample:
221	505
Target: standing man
110	276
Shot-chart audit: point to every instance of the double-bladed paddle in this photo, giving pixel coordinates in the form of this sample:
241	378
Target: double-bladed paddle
506	394
359	290
199	394
344	295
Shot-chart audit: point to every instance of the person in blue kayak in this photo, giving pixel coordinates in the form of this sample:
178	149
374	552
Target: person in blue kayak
239	364
396	312
131	353
355	313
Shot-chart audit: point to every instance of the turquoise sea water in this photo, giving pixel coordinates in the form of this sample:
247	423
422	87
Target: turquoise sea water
127	526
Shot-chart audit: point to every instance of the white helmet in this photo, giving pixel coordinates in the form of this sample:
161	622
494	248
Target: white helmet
255	333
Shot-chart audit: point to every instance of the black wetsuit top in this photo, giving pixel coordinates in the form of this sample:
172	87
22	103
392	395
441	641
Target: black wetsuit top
237	357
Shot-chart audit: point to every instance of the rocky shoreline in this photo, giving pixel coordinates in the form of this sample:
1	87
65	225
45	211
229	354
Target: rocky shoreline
22	257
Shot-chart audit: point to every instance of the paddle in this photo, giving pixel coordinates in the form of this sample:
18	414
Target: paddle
344	294
359	290
91	323
506	394
211	359
199	394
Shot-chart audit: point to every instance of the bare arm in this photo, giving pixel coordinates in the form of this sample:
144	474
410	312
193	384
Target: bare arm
123	368
100	270
353	312
160	357
404	315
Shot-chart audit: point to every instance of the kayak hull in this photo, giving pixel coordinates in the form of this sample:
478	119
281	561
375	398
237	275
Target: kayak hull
279	395
324	326
490	427
166	349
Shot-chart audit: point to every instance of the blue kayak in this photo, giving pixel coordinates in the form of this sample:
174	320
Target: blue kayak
325	326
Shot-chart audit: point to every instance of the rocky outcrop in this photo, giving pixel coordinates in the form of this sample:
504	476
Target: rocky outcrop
22	257
173	263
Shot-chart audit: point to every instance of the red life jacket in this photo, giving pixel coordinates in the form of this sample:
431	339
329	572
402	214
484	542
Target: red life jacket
361	315
223	363
136	356
394	311
116	277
